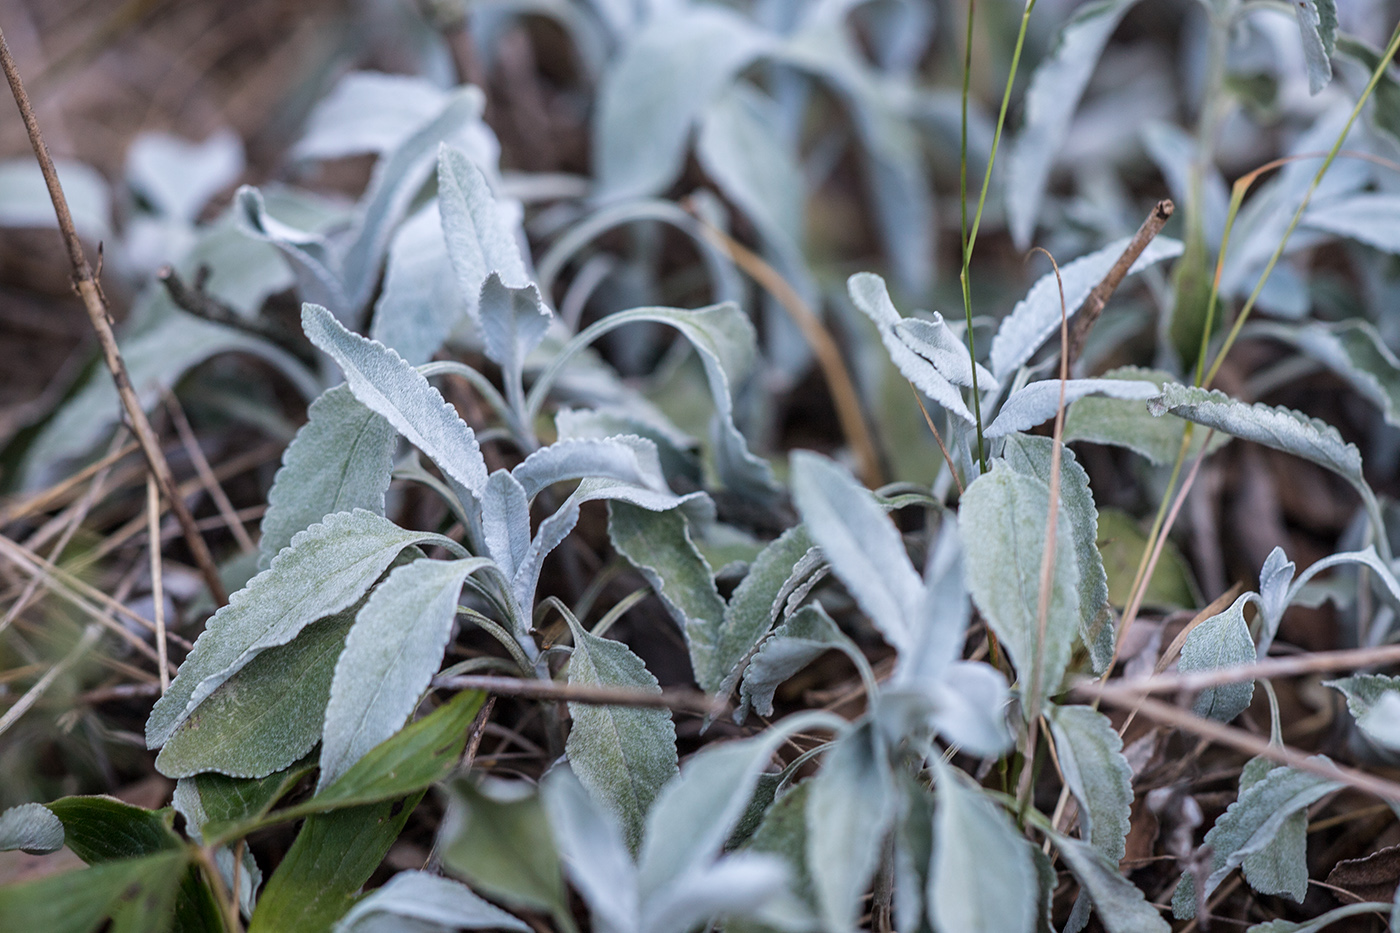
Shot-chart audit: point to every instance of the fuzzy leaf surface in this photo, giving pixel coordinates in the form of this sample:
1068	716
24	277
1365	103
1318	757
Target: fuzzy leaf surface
339	461
388	386
1091	758
1221	641
1127	422
1002	523
498	838
622	755
1032	455
1037	402
806	635
860	542
1374	702
31	828
391	654
1121	905
982	879
411	898
1037	316
328	568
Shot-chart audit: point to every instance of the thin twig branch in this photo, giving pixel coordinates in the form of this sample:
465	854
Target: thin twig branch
1246	742
195	300
1089	311
677	699
1312	663
95	303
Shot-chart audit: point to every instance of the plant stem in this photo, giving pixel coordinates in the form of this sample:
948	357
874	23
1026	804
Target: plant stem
969	235
95	303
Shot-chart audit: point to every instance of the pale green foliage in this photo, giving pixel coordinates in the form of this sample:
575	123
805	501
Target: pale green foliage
1221	641
1003	521
623	756
1091	758
1374	702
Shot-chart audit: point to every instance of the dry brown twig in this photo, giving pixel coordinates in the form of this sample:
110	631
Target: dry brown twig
95	303
1088	313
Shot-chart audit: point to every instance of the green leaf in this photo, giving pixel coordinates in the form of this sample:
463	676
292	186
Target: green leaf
103	829
390	656
1221	641
1317	23
850	808
801	639
215	806
1051	99
332	857
328	568
497	837
1127	423
414	900
1031	455
654	89
1281	867
387	385
982	879
1121	542
622	755
659	545
141	890
340	460
1002	523
862	544
1121	905
1091	759
31	828
1251	823
1325	920
757	602
1374	702
266	715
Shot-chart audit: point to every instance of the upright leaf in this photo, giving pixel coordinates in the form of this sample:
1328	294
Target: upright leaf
756	602
513	322
623	755
391	654
420	302
1221	641
656	87
1002	523
850	808
1091	759
1281	867
860	542
340	460
659	545
982	879
594	853
1032	455
1317	23
388	386
322	873
479	232
328	567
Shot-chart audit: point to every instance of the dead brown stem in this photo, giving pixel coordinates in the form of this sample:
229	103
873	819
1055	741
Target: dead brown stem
1089	311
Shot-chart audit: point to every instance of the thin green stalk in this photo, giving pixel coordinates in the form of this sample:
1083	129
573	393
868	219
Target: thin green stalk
970	236
1376	75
